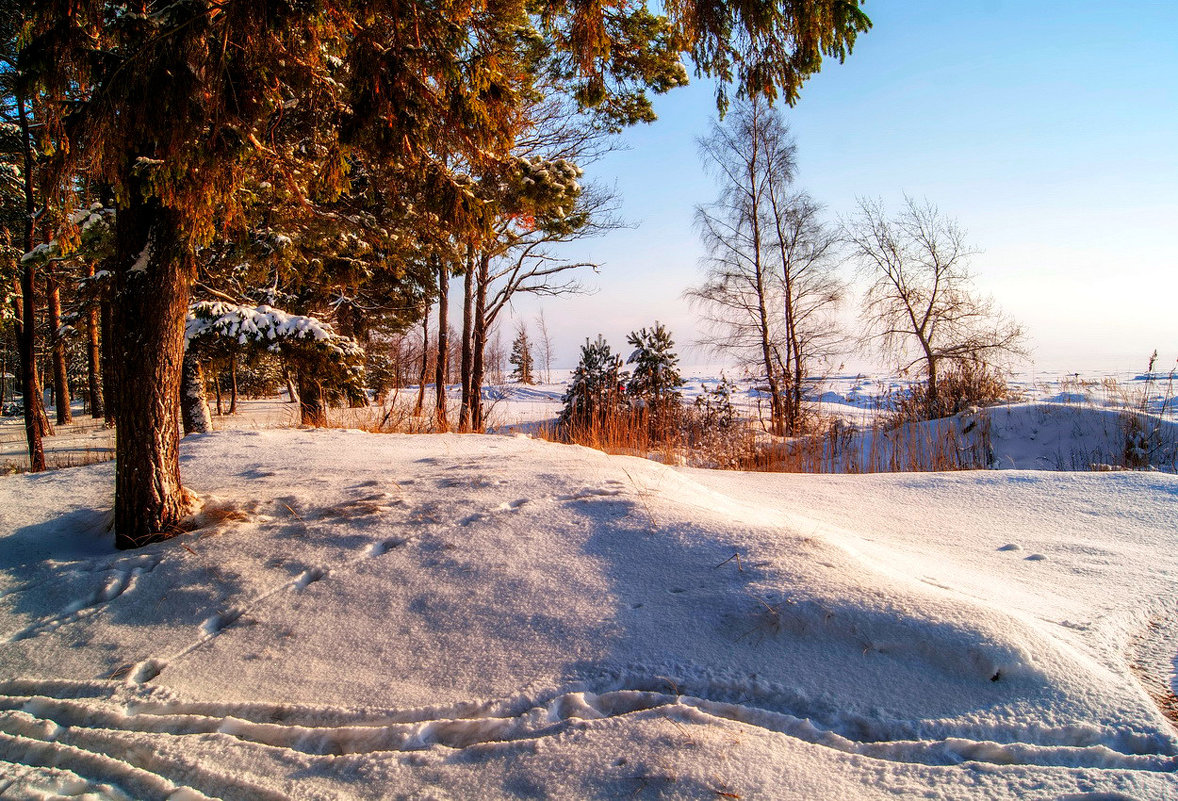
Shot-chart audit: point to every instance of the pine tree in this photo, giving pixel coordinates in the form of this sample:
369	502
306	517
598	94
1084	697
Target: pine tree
596	390
172	103
655	380
326	363
521	357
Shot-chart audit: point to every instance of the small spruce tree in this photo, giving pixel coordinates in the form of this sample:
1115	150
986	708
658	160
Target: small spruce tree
656	380
595	392
521	357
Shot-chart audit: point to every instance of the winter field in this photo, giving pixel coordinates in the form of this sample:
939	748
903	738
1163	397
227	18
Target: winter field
360	615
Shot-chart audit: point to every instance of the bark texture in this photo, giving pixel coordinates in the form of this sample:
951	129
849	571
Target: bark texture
153	279
312	405
35	426
93	356
194	407
61	385
443	346
464	417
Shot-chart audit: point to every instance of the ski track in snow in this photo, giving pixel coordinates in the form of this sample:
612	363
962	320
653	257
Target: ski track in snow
110	732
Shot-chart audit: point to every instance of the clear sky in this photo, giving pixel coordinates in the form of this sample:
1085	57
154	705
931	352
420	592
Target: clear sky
1048	129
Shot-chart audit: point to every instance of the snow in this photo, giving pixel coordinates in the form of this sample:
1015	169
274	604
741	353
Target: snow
144	257
447	616
262	324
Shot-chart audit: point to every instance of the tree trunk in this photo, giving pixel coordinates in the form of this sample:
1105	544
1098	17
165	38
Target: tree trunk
292	393
109	382
467	343
194	407
153	282
478	355
28	341
443	345
61	386
932	382
312	407
232	383
93	356
424	364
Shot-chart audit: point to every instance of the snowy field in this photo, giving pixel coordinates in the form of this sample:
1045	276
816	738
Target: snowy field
485	616
441	616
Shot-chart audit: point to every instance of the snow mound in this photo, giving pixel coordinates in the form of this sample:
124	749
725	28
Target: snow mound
475	616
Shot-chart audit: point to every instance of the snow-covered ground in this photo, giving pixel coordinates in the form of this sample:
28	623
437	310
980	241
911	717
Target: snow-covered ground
1078	413
444	616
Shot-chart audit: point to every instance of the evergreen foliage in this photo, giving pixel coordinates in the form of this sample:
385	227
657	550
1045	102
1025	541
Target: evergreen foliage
714	406
521	358
655	380
217	329
595	392
370	124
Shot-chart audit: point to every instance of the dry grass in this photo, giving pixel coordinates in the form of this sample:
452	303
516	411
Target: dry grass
56	461
960	443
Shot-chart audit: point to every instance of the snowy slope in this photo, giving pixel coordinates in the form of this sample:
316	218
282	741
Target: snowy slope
479	617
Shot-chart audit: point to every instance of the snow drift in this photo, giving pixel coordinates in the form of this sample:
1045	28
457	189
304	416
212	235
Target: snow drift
463	616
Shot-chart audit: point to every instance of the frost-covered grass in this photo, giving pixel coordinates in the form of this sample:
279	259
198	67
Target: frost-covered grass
362	615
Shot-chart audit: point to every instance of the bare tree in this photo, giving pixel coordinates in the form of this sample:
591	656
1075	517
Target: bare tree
921	307
733	231
544	341
809	290
771	281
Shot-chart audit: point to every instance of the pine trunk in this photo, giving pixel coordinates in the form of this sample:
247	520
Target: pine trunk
478	355
93	356
443	346
233	383
109	382
194	407
34	410
467	344
61	387
153	277
424	364
312	407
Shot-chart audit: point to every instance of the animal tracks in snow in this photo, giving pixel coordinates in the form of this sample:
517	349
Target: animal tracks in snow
119	579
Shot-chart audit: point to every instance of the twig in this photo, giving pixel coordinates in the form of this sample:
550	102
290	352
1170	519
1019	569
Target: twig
735	556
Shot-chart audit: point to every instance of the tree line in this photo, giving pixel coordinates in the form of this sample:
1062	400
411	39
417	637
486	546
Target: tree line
335	161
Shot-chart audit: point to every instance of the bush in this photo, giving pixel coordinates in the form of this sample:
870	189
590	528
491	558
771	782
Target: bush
961	387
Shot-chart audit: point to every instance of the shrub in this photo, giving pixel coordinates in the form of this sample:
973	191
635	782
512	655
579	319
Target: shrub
963	386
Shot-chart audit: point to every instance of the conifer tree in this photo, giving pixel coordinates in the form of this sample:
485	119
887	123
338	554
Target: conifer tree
656	380
595	393
169	103
521	357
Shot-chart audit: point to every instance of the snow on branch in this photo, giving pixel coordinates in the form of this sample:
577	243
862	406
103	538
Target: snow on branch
217	324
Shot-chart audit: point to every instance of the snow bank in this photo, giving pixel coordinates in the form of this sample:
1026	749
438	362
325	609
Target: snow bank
463	616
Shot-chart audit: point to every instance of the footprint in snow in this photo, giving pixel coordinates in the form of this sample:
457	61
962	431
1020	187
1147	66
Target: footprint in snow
1035	557
1010	546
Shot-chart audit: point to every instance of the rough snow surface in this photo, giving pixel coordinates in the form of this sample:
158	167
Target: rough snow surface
365	616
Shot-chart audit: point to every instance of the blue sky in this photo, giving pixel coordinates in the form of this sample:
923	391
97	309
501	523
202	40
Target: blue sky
1049	130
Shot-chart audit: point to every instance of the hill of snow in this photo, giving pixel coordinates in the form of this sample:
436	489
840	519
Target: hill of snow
364	616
